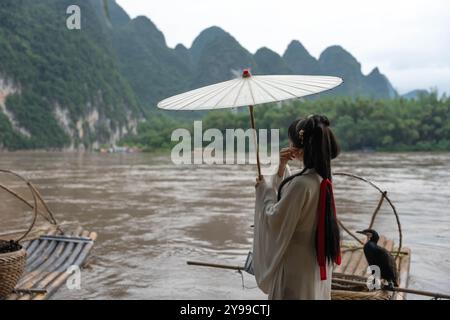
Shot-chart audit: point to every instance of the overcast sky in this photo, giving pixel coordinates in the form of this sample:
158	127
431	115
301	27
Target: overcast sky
408	40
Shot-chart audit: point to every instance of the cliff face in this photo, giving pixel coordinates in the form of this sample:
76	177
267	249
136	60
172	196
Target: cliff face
62	88
7	88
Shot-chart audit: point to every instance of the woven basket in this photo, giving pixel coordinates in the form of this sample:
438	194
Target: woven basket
355	290
12	265
359	295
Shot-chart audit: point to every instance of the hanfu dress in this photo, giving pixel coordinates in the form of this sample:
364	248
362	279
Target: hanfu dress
284	253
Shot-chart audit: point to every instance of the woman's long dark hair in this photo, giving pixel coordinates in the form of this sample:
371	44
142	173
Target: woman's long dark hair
314	136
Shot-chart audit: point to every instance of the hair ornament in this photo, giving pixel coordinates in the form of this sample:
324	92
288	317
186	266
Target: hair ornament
301	134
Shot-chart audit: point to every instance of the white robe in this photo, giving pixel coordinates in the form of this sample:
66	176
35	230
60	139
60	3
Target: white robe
284	255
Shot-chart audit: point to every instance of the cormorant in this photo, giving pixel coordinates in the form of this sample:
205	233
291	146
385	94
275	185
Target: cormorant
380	257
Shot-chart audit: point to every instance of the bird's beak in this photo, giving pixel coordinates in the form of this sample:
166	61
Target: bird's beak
362	232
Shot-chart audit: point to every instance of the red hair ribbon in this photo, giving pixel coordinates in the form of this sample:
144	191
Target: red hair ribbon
321	258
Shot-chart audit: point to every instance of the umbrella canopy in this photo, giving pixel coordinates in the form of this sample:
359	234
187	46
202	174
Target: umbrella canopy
249	90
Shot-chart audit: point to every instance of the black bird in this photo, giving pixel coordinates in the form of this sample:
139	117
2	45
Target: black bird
380	257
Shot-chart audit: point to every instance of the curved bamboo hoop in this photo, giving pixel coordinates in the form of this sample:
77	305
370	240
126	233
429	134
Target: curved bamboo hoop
36	196
380	202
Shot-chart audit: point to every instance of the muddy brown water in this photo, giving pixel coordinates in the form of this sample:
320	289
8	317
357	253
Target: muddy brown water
152	216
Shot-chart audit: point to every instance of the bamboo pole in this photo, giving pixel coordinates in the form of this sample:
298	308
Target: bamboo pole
399	289
361	268
41	253
43	266
404	265
342	281
79	259
345	258
214	265
33	255
47	268
349	232
347	247
380	202
70	256
252	120
357	258
56	262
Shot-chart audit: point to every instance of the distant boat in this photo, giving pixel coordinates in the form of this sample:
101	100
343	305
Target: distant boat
116	149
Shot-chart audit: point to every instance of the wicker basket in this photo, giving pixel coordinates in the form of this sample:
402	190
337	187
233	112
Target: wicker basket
353	287
12	265
359	295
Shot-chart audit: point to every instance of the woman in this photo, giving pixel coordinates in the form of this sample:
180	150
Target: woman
296	239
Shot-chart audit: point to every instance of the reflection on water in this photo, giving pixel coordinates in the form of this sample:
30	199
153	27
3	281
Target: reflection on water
152	216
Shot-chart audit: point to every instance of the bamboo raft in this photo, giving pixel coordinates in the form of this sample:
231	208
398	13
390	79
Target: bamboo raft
353	269
51	252
351	277
49	258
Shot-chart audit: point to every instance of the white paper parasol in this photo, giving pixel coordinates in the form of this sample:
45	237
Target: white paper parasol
249	90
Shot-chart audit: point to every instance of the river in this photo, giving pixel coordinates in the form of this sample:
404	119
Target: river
152	216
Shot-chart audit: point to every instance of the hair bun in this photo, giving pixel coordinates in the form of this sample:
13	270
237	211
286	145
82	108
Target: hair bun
324	120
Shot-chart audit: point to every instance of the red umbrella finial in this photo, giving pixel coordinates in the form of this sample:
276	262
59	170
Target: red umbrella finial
246	73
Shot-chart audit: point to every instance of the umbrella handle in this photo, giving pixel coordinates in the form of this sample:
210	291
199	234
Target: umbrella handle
252	119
